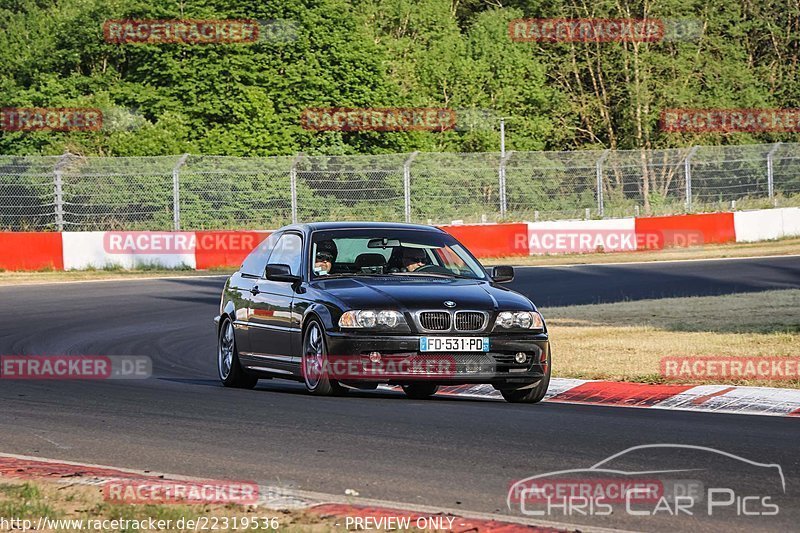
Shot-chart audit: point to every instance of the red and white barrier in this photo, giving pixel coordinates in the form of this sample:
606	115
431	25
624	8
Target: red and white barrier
711	228
492	240
766	224
220	249
128	249
25	250
582	236
227	249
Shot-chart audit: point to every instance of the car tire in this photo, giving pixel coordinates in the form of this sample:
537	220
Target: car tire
533	394
229	369
315	363
420	391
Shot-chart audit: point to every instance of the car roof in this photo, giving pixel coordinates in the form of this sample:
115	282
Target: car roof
319	226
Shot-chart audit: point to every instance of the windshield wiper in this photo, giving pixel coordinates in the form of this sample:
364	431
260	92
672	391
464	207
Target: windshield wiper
435	274
347	275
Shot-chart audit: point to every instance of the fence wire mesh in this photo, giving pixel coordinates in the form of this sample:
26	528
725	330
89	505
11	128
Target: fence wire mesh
350	187
551	185
192	192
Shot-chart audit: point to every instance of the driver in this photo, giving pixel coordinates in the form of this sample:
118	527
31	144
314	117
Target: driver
326	255
413	258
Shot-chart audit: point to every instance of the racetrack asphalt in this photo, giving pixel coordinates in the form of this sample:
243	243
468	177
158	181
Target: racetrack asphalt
452	452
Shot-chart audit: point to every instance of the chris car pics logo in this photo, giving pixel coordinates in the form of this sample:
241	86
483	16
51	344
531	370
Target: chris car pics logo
679	483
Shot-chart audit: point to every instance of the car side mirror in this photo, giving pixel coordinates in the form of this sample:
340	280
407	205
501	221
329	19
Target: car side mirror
502	274
280	272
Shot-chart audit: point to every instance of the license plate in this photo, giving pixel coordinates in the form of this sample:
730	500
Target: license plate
454	344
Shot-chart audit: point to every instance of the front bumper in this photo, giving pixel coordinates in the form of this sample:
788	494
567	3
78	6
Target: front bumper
401	361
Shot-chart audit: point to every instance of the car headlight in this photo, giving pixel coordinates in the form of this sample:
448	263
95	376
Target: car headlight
519	320
369	319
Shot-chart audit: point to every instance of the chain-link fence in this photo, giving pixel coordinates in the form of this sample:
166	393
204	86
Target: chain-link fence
210	192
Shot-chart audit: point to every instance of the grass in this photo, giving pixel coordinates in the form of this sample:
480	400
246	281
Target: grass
789	246
19	500
32	500
625	341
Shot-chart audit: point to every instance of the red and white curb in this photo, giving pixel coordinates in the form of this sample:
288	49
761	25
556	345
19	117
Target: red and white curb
707	398
279	498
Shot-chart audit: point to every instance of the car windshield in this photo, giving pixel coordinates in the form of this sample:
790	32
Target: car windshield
397	252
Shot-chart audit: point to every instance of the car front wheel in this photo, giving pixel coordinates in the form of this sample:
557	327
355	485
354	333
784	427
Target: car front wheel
315	363
533	394
230	370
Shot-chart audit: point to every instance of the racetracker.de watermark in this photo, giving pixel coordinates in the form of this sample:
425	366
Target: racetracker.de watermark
566	240
149	31
199	32
730	120
378	119
75	367
586	30
600	30
611	490
167	242
375	366
728	368
51	119
181	492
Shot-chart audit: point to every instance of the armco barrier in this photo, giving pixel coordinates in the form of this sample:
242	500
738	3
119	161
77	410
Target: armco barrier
30	251
227	249
712	227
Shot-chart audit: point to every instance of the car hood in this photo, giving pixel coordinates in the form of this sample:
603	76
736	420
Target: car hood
411	294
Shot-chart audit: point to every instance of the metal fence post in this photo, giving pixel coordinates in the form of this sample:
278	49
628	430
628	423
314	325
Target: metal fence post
176	193
687	170
503	198
599	178
770	176
58	191
293	185
407	186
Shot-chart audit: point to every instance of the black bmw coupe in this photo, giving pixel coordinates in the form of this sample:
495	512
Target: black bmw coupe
351	305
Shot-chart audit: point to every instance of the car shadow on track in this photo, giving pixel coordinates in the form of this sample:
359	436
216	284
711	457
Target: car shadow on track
296	389
285	387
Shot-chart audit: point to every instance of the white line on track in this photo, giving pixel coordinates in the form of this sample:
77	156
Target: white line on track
143	278
660	261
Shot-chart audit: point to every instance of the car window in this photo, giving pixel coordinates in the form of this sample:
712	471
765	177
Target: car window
350	249
256	262
411	253
447	257
288	251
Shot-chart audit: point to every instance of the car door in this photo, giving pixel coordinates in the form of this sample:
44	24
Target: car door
273	328
240	289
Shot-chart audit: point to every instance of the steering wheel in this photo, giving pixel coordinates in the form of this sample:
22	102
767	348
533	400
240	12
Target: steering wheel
433	268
